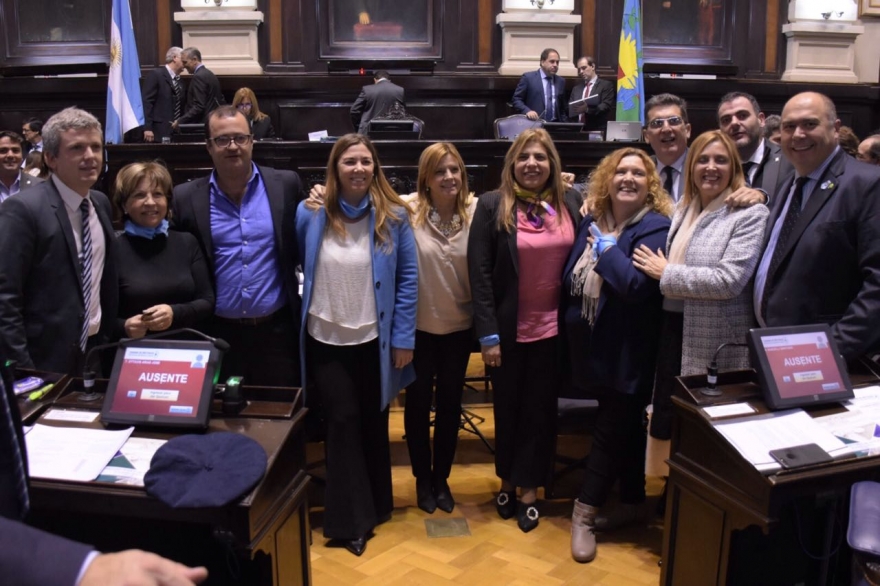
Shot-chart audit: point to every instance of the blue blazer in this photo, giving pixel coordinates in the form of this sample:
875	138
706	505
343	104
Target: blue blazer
396	278
529	95
619	352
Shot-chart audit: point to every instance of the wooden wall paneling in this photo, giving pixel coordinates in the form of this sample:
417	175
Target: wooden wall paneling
588	35
486	30
753	31
164	28
774	49
299	38
144	21
274	22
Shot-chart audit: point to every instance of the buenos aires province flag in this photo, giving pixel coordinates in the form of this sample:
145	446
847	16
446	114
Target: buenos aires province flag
630	81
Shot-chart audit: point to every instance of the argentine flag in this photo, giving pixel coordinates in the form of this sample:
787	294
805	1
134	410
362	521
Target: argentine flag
125	109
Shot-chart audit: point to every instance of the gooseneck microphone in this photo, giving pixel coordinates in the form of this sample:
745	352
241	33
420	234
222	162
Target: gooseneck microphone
711	389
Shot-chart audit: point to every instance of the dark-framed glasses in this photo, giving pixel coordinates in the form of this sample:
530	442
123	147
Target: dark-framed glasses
657	123
225	141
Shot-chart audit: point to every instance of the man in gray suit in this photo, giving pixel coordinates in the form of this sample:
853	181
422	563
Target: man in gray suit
12	178
58	294
375	100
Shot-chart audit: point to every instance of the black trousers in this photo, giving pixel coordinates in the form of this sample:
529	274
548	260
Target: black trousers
357	495
266	354
668	367
525	390
617	451
446	358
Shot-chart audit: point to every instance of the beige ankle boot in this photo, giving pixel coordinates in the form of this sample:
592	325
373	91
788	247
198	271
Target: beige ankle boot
583	538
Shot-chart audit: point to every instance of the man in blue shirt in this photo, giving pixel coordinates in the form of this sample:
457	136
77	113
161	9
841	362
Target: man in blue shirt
541	93
243	216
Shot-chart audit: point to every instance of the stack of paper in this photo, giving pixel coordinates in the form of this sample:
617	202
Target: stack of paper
71	453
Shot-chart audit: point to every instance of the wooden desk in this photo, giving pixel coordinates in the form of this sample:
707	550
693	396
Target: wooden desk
727	523
263	539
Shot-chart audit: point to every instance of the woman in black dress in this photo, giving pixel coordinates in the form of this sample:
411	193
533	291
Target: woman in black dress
163	278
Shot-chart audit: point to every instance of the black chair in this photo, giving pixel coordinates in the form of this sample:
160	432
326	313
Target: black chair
863	534
573	417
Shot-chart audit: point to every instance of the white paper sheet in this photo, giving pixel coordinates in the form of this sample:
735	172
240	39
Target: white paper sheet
728	410
755	437
71	453
132	462
71	415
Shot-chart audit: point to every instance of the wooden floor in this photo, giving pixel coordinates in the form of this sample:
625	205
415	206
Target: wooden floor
496	551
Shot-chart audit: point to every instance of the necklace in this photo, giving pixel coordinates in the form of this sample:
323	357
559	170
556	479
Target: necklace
446	228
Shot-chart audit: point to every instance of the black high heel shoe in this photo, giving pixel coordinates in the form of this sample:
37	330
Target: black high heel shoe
357	546
505	504
527	516
443	496
425	496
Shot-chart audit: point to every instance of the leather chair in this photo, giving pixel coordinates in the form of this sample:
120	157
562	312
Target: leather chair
863	534
511	126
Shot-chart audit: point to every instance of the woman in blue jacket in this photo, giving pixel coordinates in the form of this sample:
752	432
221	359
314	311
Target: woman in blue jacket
611	321
358	330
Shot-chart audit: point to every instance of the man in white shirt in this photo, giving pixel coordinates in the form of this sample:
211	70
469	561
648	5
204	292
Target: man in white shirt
593	117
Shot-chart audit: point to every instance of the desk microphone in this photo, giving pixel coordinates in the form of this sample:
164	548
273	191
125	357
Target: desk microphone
89	375
711	389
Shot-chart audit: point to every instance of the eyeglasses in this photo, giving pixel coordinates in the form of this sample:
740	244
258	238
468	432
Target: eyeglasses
657	123
238	139
244	105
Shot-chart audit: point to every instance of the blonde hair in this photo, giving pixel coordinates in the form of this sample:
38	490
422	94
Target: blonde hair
130	176
737	176
386	203
428	163
506	217
248	93
599	197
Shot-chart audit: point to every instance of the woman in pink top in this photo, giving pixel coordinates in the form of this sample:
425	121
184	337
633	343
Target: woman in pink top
520	238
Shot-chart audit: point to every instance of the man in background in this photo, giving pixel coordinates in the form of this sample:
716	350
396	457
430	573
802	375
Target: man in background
541	93
375	100
163	97
204	94
32	130
593	117
869	150
12	178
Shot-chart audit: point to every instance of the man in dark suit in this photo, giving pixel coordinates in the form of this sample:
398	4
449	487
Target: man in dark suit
243	216
869	150
541	93
163	97
593	117
821	263
375	100
667	130
58	296
12	178
30	557
741	118
204	92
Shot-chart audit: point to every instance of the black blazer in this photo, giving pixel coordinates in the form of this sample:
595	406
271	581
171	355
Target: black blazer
41	302
192	213
597	116
493	267
158	95
618	352
831	269
774	168
262	129
202	96
375	100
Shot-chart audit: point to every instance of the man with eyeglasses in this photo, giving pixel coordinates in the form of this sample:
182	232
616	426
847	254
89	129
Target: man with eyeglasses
243	216
593	117
667	131
541	93
32	130
740	117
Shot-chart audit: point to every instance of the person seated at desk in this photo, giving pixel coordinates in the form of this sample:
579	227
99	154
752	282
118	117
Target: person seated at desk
163	277
260	122
611	319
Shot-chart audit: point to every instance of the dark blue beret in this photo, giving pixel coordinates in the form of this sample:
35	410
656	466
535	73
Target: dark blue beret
210	470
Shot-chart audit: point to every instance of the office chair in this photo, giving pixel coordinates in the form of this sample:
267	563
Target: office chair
511	126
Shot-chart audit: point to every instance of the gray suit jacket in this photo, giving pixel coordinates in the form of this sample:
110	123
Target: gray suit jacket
720	261
375	100
27	181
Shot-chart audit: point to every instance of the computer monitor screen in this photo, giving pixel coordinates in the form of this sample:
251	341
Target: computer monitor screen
623	131
393	129
563	129
164	383
799	366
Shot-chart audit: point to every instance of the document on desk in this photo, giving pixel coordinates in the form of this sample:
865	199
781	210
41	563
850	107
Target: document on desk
756	436
71	453
132	462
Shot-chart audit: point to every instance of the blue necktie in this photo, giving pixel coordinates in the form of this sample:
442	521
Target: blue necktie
86	262
9	438
549	110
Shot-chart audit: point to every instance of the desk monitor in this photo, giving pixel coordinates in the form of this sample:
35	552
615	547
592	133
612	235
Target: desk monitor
624	131
189	133
565	130
393	130
162	383
799	366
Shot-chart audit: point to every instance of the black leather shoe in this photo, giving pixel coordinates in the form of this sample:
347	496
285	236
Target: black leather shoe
357	546
443	496
505	504
425	496
526	517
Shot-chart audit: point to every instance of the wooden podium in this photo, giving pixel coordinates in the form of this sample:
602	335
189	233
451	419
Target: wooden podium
261	540
727	523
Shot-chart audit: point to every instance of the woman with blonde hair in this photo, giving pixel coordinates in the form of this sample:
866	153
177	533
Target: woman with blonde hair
611	320
519	241
359	296
442	208
261	124
713	250
163	277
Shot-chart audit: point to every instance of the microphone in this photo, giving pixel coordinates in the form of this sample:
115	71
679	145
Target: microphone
711	389
89	375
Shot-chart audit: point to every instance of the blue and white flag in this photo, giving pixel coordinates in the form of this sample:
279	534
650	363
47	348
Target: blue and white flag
125	109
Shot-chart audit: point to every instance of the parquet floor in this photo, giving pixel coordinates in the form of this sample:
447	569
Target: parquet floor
496	552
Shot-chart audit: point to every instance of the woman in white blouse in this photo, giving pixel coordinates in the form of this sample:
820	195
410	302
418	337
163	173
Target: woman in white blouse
442	209
358	330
